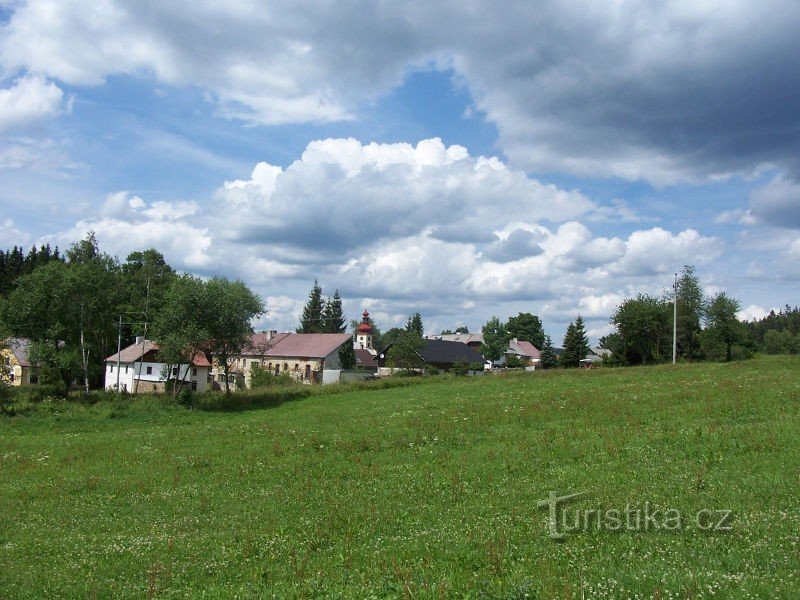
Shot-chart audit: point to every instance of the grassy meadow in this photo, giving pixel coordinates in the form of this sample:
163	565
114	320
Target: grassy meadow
425	491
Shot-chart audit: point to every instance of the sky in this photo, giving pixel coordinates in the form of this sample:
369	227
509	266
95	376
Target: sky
460	159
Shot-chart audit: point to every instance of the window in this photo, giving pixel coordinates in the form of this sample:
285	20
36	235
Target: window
126	369
296	366
111	368
194	372
174	371
149	370
285	366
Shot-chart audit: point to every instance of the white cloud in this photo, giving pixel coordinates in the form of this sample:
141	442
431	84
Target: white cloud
29	100
14	236
185	247
636	89
754	312
342	195
397	228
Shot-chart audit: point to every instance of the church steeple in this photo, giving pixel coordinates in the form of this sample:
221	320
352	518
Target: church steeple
364	332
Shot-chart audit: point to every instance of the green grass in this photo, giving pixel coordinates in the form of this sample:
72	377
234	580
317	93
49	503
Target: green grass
421	492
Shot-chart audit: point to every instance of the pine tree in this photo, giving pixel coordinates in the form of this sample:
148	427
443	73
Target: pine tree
548	358
576	344
414	325
311	320
333	317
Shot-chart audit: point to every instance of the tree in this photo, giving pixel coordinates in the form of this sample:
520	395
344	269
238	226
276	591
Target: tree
312	319
347	357
40	308
723	327
406	353
642	324
229	309
780	342
181	328
69	311
547	357
414	325
147	277
691	308
390	337
576	344
333	320
495	339
95	287
528	327
462	329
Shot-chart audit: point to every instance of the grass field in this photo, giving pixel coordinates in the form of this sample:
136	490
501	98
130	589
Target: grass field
420	492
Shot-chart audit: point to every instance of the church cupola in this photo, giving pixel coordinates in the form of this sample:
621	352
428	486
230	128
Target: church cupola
364	332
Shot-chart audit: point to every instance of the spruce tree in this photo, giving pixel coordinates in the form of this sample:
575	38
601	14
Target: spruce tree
576	344
333	317
414	325
548	358
311	321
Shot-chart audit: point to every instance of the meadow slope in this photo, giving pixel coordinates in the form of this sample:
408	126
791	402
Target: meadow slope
418	492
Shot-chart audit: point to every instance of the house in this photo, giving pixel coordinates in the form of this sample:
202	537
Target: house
473	340
302	356
137	368
441	354
16	367
366	360
524	351
595	356
305	356
240	366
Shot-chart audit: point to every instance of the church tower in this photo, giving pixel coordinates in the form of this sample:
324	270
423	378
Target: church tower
364	332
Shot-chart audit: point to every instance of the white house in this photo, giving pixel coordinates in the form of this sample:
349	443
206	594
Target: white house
137	369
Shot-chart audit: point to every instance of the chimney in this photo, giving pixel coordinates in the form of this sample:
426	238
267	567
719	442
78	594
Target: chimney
139	340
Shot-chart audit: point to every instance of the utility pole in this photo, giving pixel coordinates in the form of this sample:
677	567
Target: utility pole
675	319
119	349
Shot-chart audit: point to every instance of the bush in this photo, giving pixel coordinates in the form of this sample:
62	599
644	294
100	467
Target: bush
262	378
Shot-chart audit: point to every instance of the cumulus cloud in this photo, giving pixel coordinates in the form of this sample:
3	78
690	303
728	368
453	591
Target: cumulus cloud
370	222
343	195
30	99
669	91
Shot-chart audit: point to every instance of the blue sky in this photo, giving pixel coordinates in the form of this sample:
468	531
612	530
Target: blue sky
461	161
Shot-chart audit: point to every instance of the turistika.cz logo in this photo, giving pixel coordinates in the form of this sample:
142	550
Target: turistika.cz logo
633	518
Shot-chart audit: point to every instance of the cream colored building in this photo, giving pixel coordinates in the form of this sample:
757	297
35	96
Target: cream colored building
15	365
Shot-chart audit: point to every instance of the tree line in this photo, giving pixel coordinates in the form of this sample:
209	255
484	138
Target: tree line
707	328
75	311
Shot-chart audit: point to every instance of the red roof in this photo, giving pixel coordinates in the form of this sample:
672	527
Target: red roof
528	349
365	328
308	345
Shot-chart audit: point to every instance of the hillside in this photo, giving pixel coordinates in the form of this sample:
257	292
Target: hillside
425	491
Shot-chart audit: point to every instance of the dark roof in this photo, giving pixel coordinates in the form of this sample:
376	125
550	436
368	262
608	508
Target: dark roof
444	352
365	358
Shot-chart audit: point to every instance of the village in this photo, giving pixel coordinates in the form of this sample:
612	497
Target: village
312	358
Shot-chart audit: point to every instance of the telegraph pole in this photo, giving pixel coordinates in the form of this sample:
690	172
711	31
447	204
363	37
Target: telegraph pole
119	349
675	319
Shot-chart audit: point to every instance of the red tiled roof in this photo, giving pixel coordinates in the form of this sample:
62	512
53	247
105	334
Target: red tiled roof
528	349
261	342
308	345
